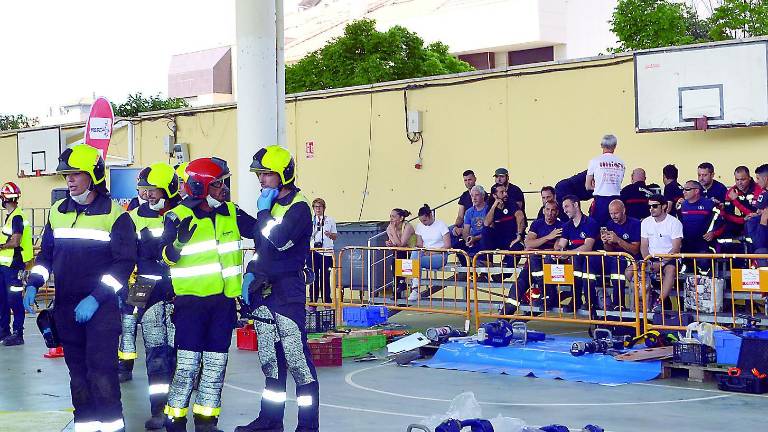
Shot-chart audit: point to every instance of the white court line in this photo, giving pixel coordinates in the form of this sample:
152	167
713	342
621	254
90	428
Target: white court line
336	406
701	390
348	380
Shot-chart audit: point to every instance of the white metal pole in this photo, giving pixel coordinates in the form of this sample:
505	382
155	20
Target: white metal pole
257	90
280	51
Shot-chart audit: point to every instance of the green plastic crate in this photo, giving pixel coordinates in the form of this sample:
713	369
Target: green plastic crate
357	346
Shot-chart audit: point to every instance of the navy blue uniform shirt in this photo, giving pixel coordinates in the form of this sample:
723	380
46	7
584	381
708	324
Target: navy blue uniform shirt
698	218
576	235
635	197
629	231
541	229
673	192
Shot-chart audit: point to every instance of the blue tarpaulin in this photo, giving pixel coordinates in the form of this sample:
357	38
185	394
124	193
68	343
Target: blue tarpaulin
547	359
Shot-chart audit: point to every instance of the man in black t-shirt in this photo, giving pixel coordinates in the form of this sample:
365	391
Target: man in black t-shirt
501	177
673	192
504	223
465	202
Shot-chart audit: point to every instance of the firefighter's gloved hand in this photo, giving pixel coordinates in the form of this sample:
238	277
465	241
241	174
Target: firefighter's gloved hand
184	233
85	309
29	298
266	198
248	278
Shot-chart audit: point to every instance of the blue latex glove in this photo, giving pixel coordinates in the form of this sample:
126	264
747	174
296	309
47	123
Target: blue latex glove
247	279
266	198
85	309
29	298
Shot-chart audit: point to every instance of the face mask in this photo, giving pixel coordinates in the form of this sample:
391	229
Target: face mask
141	200
214	203
159	206
82	198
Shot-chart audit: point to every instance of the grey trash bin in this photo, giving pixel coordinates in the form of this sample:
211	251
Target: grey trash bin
356	270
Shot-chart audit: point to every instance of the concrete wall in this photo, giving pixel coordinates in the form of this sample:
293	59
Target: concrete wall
543	123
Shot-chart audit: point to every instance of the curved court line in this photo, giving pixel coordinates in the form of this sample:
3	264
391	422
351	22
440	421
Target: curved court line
335	406
348	380
701	390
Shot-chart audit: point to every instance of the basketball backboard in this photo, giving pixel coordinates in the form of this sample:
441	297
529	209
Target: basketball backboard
38	151
727	83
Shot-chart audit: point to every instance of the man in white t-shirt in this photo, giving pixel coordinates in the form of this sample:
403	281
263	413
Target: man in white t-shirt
431	233
604	176
661	233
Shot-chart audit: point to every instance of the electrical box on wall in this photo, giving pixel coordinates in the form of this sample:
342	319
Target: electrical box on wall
168	144
413	121
181	152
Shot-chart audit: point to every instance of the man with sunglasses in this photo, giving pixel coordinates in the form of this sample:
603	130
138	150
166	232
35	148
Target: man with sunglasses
702	223
201	244
661	233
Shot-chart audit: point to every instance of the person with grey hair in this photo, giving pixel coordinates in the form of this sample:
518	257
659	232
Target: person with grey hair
473	220
605	174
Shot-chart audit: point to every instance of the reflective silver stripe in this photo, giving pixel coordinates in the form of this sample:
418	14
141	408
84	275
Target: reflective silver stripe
255	256
286	247
5	260
615	276
156	232
82	234
7	231
16	289
42	271
155	389
304	401
196	271
272	396
229	247
231	271
270	226
113	426
92	426
537	273
111	282
152	277
192	249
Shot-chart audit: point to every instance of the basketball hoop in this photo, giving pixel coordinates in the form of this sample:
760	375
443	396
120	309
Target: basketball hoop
701	123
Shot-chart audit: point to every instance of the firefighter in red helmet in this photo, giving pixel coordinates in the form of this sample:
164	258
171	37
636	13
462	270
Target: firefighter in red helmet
15	252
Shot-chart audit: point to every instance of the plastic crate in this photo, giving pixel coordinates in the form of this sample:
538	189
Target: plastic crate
693	353
742	384
754	352
246	338
326	351
364	316
727	346
320	321
361	345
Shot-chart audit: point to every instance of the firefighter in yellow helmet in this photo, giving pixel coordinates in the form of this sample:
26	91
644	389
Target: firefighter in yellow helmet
181	172
274	286
89	244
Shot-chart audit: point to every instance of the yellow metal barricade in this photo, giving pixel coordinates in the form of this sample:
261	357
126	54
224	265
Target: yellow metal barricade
597	288
421	280
714	288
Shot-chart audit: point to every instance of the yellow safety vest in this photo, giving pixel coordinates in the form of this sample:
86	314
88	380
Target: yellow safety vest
211	262
278	211
82	226
6	255
155	225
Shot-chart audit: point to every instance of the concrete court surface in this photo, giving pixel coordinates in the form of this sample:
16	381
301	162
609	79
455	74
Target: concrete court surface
34	395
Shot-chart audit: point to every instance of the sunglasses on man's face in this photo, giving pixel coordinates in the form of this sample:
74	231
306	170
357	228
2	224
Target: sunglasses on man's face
689	189
653	206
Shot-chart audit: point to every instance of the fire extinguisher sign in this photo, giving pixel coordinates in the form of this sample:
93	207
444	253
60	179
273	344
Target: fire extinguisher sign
310	149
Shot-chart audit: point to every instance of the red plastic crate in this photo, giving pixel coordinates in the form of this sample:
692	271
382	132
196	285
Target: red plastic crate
326	351
392	334
246	338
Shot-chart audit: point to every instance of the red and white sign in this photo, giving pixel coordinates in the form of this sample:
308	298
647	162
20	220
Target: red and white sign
98	128
310	149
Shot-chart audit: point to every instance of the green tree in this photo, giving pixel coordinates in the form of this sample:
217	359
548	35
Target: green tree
644	24
364	55
16	121
138	103
739	19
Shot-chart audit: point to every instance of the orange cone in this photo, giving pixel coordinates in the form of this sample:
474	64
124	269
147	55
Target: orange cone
54	352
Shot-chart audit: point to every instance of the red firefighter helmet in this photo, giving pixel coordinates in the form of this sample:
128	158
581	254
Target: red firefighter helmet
202	172
10	191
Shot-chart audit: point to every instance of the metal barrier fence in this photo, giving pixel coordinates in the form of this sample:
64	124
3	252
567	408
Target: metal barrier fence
714	288
323	291
37	217
422	280
573	287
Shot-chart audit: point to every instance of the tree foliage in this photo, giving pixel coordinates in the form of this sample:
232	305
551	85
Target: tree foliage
364	55
138	103
644	24
16	121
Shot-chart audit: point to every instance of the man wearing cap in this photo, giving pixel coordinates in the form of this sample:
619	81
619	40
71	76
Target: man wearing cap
514	193
604	176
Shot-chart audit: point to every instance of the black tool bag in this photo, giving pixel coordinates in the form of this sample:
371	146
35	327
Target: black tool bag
139	292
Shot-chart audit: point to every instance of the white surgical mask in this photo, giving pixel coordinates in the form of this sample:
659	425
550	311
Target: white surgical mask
159	206
141	200
81	199
214	203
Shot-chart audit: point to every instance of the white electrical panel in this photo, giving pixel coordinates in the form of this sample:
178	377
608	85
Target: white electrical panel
181	152
413	121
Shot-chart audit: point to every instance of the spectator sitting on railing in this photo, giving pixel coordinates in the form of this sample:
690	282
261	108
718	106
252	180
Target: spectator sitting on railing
543	234
465	202
473	221
430	234
400	233
661	233
324	233
548	194
504	223
702	223
635	195
581	234
673	192
621	234
501	177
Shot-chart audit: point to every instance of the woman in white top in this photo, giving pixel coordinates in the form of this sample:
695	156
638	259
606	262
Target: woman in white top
323	234
430	234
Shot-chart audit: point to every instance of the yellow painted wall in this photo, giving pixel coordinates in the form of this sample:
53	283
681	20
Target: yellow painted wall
542	123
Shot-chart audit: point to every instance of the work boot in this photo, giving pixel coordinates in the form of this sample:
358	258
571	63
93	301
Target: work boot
303	429
4	334
176	424
157	421
14	339
261	425
125	370
206	424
